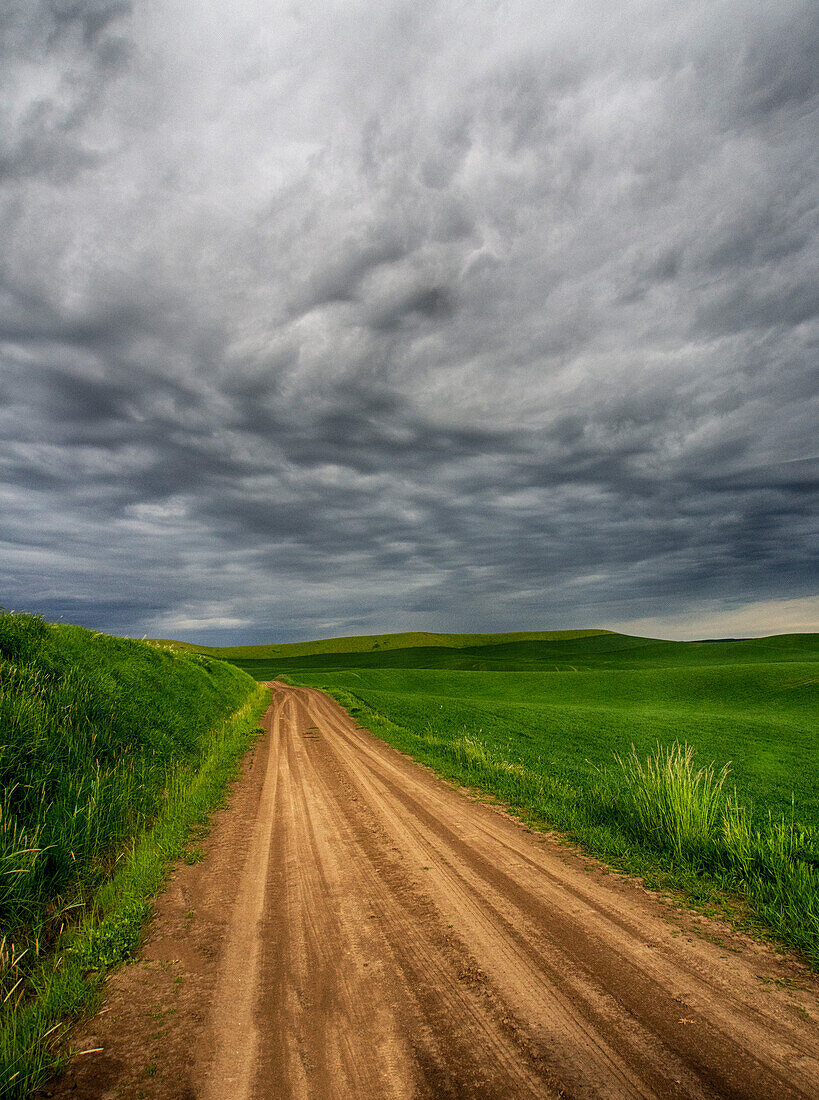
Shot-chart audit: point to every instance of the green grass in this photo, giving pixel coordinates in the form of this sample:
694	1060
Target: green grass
718	796
111	749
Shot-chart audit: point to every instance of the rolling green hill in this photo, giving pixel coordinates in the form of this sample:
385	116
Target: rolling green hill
368	643
557	651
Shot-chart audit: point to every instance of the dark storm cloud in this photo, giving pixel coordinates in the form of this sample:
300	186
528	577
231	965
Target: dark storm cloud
406	317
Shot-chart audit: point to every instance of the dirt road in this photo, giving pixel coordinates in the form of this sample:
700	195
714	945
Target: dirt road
381	935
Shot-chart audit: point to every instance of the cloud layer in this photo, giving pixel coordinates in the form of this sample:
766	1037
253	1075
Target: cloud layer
406	315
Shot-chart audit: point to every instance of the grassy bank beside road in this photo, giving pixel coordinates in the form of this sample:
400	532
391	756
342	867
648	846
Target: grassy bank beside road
110	750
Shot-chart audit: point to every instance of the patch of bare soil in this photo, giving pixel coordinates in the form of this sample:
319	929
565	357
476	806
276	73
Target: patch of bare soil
359	929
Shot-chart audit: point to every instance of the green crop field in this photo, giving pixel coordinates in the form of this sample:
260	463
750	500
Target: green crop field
540	721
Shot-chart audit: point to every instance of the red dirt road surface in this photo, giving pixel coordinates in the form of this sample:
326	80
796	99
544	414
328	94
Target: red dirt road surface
359	929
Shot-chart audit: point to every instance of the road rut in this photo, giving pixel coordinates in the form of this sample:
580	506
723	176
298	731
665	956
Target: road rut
385	936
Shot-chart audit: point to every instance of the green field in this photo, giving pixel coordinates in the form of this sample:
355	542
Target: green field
757	717
570	702
538	721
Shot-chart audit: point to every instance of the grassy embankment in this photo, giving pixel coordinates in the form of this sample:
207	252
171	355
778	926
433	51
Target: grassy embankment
111	751
540	724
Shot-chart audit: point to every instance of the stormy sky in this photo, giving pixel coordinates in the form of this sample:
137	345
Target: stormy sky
344	316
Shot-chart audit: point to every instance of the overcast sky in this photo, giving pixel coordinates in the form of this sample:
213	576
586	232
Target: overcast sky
345	316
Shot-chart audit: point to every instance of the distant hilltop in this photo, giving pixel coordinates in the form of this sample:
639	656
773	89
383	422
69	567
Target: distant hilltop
365	643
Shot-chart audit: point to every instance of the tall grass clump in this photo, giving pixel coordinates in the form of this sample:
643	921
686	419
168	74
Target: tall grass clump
98	735
666	804
673	803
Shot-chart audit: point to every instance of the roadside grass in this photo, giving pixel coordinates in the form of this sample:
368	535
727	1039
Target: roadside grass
111	751
672	803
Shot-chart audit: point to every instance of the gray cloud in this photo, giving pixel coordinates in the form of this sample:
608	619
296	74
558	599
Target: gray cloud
402	317
65	54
